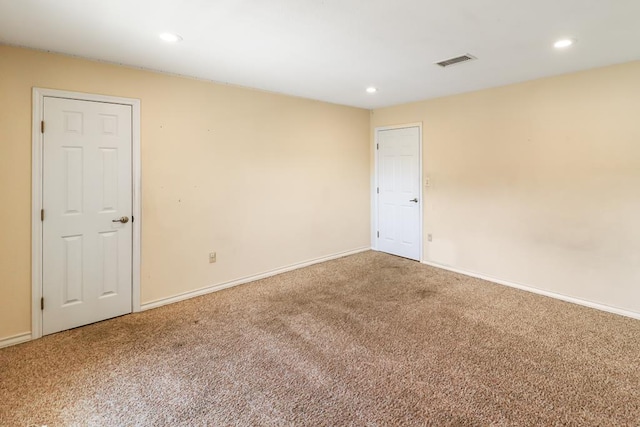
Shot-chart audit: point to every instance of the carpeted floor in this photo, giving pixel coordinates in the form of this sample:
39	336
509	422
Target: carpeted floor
367	340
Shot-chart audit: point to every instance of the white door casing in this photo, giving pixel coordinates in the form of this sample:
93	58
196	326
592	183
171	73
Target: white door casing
398	191
86	176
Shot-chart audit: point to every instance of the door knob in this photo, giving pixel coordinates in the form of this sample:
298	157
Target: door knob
414	200
124	219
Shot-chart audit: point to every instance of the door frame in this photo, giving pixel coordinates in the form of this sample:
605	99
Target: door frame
36	194
376	184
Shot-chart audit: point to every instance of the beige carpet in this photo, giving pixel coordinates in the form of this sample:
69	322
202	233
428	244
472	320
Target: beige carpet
367	340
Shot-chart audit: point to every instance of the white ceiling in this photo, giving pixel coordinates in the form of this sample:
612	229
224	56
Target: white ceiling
331	50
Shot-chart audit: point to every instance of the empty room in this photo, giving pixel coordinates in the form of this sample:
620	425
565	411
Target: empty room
319	213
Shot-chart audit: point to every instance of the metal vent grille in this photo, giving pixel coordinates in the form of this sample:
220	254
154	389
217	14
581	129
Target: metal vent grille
456	60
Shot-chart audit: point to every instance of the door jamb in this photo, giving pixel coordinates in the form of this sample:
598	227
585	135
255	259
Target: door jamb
374	194
36	194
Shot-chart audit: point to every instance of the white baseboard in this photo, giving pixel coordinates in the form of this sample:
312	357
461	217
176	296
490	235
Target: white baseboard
243	280
590	304
16	339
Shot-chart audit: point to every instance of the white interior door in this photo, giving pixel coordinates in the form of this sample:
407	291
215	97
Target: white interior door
399	231
87	185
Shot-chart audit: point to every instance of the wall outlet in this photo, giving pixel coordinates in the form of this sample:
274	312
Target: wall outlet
429	238
212	257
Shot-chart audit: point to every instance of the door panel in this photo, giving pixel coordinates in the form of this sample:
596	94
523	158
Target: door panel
399	192
87	183
109	254
72	275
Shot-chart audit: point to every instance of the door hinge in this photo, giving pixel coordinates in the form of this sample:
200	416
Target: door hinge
378	234
41	214
42	126
377	145
42	303
378	190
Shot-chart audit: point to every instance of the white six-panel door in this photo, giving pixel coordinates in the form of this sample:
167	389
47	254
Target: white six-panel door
87	185
398	193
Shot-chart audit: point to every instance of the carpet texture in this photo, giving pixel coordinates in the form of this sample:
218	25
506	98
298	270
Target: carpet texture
366	340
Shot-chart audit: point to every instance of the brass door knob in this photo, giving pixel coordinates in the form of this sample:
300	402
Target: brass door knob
124	219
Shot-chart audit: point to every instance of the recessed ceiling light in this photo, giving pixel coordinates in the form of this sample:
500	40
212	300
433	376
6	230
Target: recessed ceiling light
371	89
560	44
170	37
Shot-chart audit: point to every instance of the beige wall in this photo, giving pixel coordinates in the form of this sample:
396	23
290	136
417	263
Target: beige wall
537	183
264	180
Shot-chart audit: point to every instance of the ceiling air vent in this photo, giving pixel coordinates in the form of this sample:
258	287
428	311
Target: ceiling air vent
456	60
